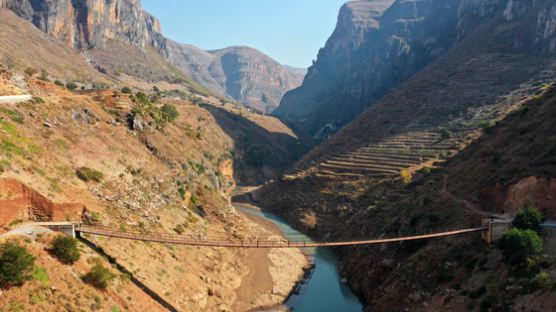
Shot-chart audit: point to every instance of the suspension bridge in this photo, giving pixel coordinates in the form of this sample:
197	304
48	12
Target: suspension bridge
74	229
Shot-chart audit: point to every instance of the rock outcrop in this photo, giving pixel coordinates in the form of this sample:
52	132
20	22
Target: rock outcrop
89	24
379	44
240	73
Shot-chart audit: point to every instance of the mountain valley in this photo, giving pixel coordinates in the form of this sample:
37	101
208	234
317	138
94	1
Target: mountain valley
417	117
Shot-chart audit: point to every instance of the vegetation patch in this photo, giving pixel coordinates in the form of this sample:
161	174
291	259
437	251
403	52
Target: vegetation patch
88	174
144	106
54	187
16	265
40	275
61	144
11	149
65	248
99	277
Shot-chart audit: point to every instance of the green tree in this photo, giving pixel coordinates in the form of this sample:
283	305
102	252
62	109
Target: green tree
99	277
519	245
16	264
126	90
528	219
65	247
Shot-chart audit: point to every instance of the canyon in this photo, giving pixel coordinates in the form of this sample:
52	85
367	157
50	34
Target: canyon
417	116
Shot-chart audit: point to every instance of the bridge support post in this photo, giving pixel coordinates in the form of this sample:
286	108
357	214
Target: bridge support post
495	229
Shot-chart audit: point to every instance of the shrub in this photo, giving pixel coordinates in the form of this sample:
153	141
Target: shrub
487	126
126	90
59	83
88	174
406	176
169	112
65	247
179	229
181	191
30	71
99	277
71	86
44	75
16	265
542	280
528	219
446	134
519	245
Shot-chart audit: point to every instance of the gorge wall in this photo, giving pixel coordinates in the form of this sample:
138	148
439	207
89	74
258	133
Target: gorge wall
379	44
84	25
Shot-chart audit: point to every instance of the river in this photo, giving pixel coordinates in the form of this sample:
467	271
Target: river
324	290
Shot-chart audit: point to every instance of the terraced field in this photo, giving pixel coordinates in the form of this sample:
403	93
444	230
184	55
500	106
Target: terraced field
410	151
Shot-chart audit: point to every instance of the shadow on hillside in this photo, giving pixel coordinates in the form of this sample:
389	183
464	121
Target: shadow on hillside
259	154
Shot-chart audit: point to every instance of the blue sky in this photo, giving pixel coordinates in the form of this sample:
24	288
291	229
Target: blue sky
290	31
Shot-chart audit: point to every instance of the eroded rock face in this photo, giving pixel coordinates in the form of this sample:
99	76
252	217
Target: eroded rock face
87	24
19	201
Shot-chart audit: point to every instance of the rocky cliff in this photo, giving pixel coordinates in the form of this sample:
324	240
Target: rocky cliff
495	53
88	24
379	44
240	73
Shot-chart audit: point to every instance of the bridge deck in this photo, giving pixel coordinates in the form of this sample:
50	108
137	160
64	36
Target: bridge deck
258	243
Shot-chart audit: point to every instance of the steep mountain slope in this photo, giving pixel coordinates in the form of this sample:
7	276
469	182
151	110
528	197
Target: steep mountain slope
503	54
22	45
379	44
112	31
241	73
511	166
177	180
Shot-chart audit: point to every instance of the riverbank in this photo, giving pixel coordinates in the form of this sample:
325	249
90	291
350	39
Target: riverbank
322	288
277	270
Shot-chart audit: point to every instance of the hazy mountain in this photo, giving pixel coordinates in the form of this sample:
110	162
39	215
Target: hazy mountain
240	73
296	70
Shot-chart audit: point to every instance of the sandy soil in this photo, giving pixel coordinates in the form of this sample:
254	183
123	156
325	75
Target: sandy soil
275	269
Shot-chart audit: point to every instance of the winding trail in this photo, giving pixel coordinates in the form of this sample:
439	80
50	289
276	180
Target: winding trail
14	99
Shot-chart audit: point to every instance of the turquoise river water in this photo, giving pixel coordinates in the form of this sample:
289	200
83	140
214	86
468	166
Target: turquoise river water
324	290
